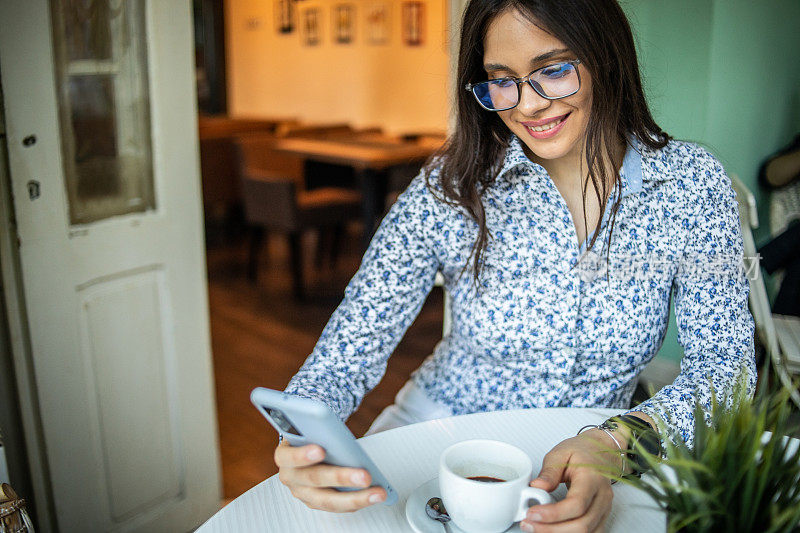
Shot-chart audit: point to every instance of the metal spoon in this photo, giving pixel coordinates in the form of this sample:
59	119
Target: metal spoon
435	509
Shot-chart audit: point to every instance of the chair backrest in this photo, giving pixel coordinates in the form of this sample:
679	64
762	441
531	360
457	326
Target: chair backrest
759	301
784	207
315	131
218	173
270	201
257	155
221	126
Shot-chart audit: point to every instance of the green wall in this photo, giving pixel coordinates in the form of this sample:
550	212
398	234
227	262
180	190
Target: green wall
725	74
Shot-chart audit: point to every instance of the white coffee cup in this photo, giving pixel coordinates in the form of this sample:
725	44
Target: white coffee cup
487	506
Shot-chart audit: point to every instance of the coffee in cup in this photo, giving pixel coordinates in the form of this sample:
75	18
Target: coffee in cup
487	479
484	485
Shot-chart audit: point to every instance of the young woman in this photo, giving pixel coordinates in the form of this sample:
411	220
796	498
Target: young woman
562	219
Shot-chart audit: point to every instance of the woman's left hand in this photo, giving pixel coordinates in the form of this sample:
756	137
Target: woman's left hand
589	494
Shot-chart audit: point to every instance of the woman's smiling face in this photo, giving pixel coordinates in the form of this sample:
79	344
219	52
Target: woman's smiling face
552	130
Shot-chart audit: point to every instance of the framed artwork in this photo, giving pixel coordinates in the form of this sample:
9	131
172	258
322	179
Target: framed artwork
378	24
344	21
284	16
413	23
311	25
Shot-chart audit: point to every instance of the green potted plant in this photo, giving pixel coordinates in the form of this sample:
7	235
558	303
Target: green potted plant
741	474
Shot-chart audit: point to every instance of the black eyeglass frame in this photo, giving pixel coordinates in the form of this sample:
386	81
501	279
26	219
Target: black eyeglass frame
574	62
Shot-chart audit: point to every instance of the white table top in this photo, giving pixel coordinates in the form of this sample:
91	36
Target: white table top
409	456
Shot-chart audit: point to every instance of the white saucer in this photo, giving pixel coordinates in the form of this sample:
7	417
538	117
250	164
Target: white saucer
421	522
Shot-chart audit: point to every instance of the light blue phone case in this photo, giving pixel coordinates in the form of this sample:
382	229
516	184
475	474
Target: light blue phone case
317	424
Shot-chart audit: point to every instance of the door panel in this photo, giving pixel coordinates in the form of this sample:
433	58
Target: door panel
141	457
116	304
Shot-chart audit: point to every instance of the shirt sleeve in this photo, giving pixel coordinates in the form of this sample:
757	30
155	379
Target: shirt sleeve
380	303
715	327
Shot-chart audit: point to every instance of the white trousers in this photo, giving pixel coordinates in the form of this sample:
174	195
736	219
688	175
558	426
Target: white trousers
411	405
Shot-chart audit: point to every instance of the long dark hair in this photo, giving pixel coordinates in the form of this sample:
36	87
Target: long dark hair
598	32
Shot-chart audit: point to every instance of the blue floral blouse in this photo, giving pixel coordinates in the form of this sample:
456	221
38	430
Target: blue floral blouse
552	325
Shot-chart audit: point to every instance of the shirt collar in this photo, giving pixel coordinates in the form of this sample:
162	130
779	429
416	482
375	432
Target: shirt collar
632	169
515	157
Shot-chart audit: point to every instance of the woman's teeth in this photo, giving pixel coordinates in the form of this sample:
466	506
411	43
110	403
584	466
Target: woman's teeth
547	126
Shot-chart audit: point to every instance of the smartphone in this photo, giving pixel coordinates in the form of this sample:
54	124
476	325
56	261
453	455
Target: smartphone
304	421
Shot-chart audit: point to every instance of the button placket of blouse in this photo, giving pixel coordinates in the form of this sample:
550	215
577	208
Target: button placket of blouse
592	267
566	253
572	296
562	213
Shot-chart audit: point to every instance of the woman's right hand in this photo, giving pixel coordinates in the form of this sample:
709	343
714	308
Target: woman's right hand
300	468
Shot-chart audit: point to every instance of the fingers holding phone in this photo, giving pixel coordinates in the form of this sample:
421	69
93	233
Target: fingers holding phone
302	470
320	460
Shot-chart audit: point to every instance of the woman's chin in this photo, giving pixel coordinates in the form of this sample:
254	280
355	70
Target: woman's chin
547	151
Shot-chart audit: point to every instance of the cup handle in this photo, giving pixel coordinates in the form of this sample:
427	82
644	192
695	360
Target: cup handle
531	493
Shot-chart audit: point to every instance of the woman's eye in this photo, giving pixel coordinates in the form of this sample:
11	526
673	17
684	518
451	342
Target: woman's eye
557	71
503	82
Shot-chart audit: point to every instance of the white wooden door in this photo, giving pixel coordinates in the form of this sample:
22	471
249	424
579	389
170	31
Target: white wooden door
101	129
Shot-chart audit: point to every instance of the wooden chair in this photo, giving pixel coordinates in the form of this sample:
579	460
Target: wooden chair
315	131
218	163
779	334
220	184
223	126
275	199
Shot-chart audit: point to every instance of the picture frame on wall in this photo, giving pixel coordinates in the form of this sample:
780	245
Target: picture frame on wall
311	26
414	23
344	21
284	16
378	22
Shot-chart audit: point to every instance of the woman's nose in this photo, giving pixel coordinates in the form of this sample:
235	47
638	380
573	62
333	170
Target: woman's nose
531	102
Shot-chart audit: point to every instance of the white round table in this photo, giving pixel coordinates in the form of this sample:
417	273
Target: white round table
409	456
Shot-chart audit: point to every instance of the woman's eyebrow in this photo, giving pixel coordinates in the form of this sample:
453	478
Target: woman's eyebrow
548	55
538	59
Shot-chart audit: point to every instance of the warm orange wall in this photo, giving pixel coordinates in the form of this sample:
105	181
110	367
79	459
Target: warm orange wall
397	87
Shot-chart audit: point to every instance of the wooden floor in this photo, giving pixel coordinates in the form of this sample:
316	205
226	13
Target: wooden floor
261	335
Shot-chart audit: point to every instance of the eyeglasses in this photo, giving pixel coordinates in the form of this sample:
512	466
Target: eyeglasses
552	82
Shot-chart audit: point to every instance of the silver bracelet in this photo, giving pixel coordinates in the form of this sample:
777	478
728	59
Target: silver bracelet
622	452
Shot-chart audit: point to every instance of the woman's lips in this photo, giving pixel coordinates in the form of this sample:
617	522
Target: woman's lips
549	128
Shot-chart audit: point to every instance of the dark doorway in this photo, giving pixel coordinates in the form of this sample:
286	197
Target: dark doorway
209	55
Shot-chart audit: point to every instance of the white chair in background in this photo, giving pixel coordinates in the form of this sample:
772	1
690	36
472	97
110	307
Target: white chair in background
784	206
780	334
447	318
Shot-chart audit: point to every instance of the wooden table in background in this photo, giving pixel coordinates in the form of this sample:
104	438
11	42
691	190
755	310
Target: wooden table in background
370	158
